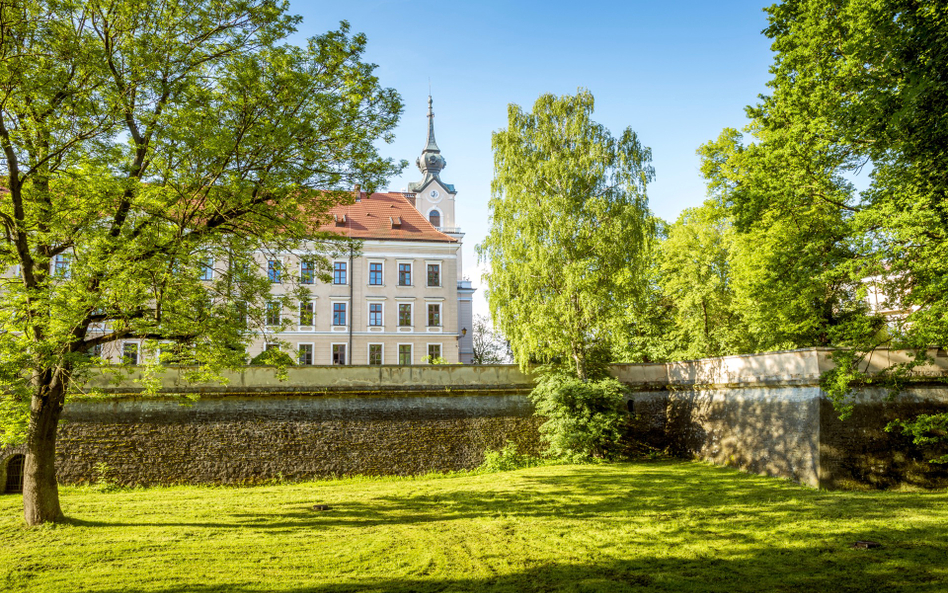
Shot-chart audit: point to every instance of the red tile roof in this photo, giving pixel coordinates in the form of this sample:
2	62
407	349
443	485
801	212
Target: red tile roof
383	216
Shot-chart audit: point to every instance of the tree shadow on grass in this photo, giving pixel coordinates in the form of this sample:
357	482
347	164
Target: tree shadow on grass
669	492
769	569
716	533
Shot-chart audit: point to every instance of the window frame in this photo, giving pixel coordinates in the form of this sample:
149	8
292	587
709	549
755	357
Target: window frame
333	349
62	266
428	266
275	271
299	354
207	269
380	313
336	313
440	350
404	274
307	271
311	313
137	353
340	268
411	353
270	307
428	315
403	307
377	274
381	354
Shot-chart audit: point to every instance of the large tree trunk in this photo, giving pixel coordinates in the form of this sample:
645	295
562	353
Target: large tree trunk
40	490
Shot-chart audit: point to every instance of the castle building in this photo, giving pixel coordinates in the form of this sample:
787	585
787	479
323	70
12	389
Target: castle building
402	300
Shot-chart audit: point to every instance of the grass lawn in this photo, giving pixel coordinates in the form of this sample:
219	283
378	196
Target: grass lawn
651	526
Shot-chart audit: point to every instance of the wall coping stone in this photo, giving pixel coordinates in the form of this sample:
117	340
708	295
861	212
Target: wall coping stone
769	369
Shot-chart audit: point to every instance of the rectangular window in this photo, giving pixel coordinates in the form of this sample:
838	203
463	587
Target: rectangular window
130	353
307	313
375	274
434	274
434	315
339	354
375	354
207	269
375	314
273	271
404	354
306	354
404	274
307	272
339	272
339	314
273	313
434	352
404	315
61	266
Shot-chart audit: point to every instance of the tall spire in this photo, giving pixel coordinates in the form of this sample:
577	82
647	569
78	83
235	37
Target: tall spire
432	144
431	162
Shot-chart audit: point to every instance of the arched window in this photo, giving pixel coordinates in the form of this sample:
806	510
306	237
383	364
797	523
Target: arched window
14	483
434	217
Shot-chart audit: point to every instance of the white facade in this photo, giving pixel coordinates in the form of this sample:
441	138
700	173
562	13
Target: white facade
387	321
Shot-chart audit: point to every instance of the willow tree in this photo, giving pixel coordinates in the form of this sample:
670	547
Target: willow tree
140	141
569	229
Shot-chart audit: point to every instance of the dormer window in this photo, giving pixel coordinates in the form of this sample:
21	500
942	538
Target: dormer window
340	219
434	217
396	221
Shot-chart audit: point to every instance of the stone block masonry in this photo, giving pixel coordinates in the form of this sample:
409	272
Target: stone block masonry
766	430
240	439
762	413
766	414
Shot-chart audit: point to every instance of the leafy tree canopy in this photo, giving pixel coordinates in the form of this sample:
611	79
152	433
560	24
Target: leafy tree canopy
140	142
857	85
569	230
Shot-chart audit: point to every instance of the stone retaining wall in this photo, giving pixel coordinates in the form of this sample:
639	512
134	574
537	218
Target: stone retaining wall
762	413
236	439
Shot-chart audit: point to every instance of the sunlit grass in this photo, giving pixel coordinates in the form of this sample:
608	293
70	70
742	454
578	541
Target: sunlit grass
656	526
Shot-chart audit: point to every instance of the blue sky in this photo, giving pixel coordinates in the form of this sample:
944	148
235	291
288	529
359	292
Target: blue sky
675	72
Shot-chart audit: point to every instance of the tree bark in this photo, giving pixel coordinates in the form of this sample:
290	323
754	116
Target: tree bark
580	359
40	490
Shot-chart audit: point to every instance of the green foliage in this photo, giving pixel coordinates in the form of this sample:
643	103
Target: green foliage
856	84
926	430
436	360
170	134
507	459
791	244
696	277
272	357
140	142
569	230
103	478
14	420
583	418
